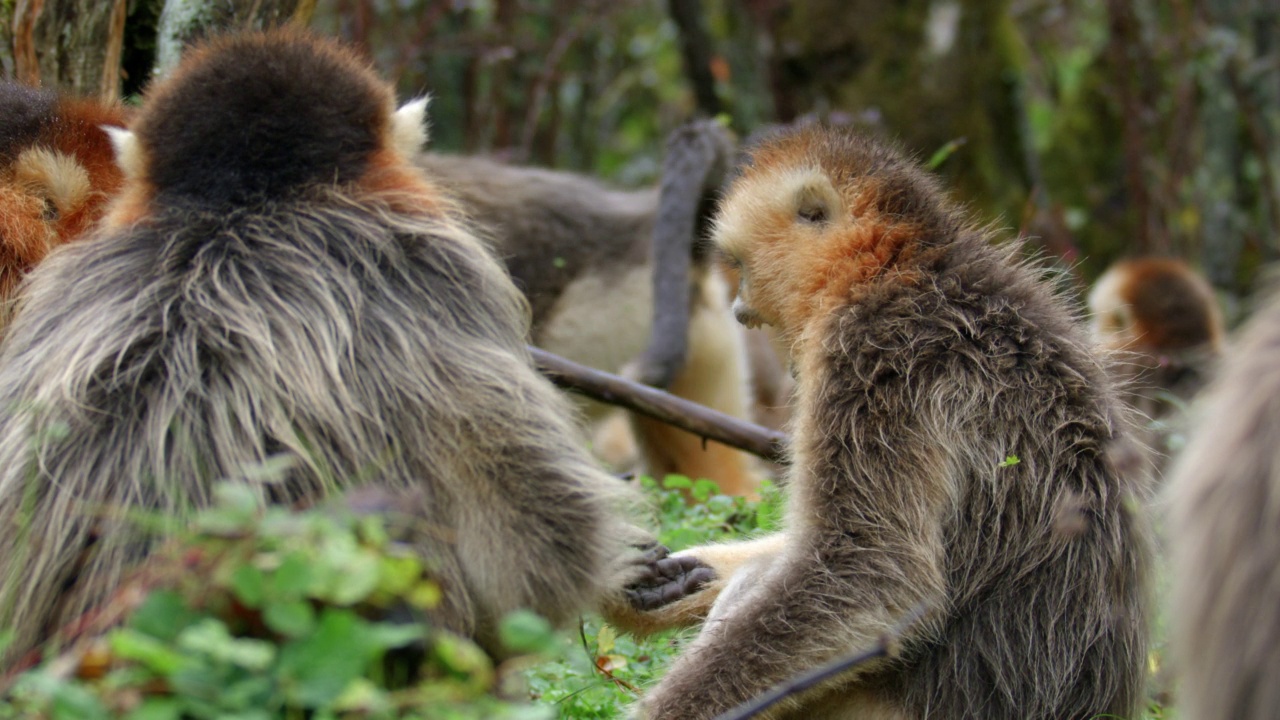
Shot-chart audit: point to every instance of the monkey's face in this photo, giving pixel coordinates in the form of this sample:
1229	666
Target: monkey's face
46	197
803	241
772	228
57	186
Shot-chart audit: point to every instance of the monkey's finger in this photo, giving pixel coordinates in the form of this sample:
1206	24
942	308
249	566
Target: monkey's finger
653	552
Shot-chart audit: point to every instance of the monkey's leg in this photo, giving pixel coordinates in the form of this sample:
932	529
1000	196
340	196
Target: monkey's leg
791	620
715	375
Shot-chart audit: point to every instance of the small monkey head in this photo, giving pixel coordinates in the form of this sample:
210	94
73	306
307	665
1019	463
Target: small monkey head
268	115
1155	305
815	213
56	173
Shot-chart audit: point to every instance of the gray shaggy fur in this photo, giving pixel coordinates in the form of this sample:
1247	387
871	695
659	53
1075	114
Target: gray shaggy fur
915	381
1224	537
364	343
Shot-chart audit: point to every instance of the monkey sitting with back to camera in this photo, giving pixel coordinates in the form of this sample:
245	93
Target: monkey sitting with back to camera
278	280
586	256
951	482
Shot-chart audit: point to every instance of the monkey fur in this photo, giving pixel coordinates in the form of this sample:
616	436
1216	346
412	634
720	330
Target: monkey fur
1224	538
277	279
1163	318
588	257
951	460
57	172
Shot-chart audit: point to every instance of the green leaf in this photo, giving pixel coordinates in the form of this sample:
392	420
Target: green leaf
677	482
398	574
526	632
249	585
704	488
345	573
156	656
941	154
320	667
75	702
463	658
210	637
291	618
425	595
293	579
163	615
156	709
385	636
236	497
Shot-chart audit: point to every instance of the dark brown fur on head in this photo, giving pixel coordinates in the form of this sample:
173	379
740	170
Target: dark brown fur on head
951	415
303	292
252	117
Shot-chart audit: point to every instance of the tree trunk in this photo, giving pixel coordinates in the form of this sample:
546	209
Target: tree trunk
185	21
73	45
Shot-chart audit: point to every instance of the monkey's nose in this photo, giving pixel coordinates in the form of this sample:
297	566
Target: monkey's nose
746	315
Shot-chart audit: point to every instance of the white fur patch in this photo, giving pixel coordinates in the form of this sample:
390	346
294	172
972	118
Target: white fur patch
58	177
754	201
1110	318
128	151
409	127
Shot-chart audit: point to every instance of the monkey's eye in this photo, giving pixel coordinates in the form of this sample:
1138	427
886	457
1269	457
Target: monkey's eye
51	212
813	214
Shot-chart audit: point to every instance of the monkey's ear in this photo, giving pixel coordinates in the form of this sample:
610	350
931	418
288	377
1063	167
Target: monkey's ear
128	152
409	126
816	201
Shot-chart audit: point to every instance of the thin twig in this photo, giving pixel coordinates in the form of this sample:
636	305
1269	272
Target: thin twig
651	402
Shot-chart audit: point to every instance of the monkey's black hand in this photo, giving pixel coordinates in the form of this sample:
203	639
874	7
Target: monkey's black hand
667	579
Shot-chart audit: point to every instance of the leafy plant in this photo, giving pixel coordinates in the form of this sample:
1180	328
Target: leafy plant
269	613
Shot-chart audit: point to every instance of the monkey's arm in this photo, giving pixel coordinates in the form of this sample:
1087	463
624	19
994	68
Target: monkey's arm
868	554
544	527
696	162
682	596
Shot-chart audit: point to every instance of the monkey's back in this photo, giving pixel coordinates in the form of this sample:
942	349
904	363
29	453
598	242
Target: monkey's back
360	344
963	354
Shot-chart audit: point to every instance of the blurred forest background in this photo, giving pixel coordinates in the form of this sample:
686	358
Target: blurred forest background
1099	128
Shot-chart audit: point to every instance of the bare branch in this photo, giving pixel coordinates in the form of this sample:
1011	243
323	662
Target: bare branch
654	403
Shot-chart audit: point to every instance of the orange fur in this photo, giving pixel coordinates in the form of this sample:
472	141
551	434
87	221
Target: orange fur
36	213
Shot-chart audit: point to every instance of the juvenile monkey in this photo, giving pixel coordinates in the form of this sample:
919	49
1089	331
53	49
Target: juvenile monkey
950	462
57	172
277	279
1225	537
588	257
1164	319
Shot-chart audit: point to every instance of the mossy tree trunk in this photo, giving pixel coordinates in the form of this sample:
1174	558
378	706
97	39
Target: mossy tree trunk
103	47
